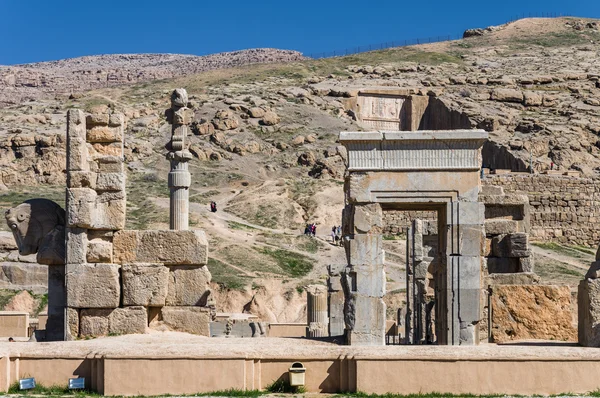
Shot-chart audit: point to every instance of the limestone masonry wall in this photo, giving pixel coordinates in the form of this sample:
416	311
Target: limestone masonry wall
398	221
563	209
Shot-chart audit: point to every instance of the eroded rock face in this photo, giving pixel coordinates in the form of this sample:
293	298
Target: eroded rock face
38	226
532	312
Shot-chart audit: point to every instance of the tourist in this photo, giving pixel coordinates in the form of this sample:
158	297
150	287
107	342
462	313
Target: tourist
11	340
213	207
333	235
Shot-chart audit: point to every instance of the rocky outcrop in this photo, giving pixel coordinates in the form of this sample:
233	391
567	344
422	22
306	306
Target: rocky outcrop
522	312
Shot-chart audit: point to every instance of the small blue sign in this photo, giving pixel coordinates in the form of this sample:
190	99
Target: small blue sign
77	384
27	384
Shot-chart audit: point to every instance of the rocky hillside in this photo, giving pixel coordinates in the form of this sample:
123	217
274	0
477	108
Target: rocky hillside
264	140
20	83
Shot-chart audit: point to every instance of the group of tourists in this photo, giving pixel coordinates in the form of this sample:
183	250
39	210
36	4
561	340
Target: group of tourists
336	235
310	230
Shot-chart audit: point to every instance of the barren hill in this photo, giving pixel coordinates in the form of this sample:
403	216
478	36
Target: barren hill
264	138
19	83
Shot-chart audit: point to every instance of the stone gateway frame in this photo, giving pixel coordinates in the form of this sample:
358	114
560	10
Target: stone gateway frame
421	170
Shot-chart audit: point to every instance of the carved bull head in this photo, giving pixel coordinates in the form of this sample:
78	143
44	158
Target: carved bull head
38	227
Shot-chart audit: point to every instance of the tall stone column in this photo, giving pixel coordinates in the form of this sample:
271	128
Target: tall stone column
179	176
363	280
316	311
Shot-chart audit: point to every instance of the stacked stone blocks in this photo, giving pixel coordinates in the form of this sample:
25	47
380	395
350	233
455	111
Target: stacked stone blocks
363	279
119	281
564	209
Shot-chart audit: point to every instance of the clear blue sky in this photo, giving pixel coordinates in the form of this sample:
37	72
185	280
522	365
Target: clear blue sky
43	30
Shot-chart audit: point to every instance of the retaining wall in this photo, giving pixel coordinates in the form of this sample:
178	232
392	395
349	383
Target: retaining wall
563	209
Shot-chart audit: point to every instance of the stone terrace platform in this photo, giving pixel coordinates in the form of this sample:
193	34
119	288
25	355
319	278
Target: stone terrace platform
178	363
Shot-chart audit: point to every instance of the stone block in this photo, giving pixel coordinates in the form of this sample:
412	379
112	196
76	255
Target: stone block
368	218
195	320
526	264
165	246
77	155
499	227
531	312
518	245
369	324
76	147
76	246
94	322
145	284
188	285
521	278
110	211
105	134
72	322
588	297
80	207
99	150
99	251
25	276
128	320
81	179
55	326
471	240
110	164
110	182
465	213
368	279
364	249
97	119
116	119
502	265
93	286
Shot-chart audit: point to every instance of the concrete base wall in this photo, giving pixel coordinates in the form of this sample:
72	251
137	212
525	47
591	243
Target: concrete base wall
457	374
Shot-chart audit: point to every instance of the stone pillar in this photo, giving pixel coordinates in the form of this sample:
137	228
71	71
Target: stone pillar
588	307
465	240
316	311
335	300
179	176
363	280
95	209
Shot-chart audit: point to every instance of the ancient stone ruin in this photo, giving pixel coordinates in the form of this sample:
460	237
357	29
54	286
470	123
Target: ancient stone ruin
102	278
425	170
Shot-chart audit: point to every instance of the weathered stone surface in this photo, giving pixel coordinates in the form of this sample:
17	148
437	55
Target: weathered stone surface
99	251
145	284
521	278
73	322
128	320
110	182
26	276
94	322
188	285
93	286
588	299
105	134
195	320
532	99
364	249
500	227
368	218
87	209
7	241
501	265
531	312
77	243
507	95
166	246
81	179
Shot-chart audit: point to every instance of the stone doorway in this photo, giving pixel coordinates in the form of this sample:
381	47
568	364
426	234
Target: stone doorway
425	170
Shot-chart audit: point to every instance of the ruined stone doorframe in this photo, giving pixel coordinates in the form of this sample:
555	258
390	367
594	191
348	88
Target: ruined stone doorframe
408	171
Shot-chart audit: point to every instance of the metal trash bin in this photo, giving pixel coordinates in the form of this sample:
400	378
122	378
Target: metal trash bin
297	374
